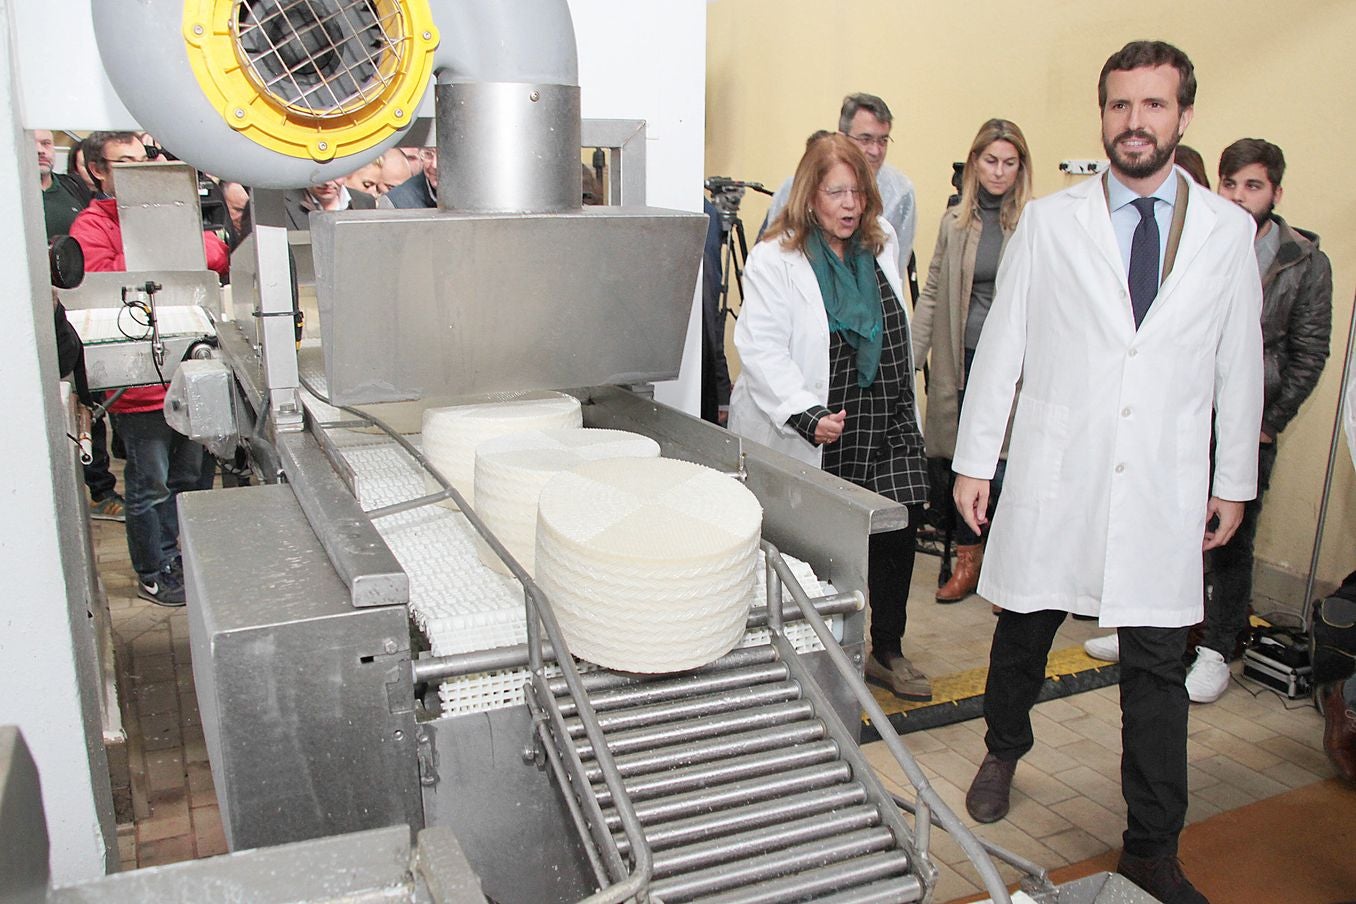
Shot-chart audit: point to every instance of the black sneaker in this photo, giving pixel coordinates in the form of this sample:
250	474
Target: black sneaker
166	589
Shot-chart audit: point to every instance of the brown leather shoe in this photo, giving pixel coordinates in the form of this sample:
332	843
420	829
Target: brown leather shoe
1161	877
1339	731
965	578
988	797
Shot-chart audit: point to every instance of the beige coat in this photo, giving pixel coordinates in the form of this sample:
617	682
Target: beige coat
939	327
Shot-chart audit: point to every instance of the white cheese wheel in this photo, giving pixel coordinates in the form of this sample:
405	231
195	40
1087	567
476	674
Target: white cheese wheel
450	435
511	471
649	564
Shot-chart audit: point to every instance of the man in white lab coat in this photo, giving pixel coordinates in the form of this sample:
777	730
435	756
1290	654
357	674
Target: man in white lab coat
1128	306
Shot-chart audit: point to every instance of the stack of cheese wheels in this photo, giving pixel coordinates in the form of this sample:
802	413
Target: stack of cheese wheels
649	564
511	471
450	435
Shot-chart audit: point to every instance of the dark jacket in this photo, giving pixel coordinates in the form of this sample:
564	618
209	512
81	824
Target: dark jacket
1296	324
414	192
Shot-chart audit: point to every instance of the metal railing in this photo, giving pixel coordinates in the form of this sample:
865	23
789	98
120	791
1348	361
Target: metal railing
930	806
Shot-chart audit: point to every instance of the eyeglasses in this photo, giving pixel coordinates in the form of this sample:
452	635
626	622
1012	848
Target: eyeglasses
840	194
866	141
126	158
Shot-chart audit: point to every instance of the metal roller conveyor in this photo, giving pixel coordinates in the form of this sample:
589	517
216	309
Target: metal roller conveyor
782	765
806	861
724	702
877	878
638	694
730	770
675	802
751	842
751	816
720	670
716	749
718	726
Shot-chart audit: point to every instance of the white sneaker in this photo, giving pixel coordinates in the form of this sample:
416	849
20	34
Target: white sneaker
1107	649
1208	678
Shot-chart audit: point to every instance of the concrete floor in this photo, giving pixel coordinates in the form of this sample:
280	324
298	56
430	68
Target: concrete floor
1067	806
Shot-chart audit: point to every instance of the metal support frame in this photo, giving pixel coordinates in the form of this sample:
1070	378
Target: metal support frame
625	138
277	328
1307	602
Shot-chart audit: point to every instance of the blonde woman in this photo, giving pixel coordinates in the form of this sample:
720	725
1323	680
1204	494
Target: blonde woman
995	186
827	370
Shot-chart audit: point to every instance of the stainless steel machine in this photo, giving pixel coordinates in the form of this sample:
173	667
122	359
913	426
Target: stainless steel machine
324	711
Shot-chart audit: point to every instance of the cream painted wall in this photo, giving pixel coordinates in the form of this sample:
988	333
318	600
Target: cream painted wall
778	69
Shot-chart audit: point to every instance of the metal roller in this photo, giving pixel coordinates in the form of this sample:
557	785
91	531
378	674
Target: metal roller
691	708
602	680
764	840
645	739
753	765
754	815
649	761
779	863
659	691
708	800
885	873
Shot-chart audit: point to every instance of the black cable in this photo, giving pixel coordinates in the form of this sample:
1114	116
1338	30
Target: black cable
130	308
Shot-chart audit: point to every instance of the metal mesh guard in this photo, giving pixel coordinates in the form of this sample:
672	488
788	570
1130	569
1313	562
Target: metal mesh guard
321	58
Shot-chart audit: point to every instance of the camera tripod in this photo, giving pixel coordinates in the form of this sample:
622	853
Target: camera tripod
725	195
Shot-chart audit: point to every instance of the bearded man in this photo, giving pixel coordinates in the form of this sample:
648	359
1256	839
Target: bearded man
1128	308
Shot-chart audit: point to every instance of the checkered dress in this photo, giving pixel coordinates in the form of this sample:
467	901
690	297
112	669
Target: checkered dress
882	445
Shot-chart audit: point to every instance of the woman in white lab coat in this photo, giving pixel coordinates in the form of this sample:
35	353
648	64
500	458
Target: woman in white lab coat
827	367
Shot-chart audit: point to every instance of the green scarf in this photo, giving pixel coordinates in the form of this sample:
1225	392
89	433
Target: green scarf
851	299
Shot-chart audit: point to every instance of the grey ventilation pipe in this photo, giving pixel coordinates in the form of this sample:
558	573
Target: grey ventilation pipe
507	102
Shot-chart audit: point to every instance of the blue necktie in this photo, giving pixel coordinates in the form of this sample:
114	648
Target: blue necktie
1143	260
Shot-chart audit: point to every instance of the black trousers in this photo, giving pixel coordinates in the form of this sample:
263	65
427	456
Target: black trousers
1153	717
890	570
1226	609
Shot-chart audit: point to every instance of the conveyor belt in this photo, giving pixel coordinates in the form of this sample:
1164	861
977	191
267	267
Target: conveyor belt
747	786
458	603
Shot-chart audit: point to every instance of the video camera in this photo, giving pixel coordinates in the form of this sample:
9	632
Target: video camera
726	193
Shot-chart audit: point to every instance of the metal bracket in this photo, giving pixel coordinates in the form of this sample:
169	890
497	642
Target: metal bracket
427	755
277	329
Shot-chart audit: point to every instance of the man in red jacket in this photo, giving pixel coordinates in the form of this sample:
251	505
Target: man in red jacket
160	462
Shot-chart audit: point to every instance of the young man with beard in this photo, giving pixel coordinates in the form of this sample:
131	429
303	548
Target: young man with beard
1128	307
1296	330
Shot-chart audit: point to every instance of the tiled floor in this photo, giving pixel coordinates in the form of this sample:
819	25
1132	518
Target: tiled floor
1067	806
173	805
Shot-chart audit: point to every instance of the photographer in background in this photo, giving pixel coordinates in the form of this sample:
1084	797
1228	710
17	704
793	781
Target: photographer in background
63	197
160	462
